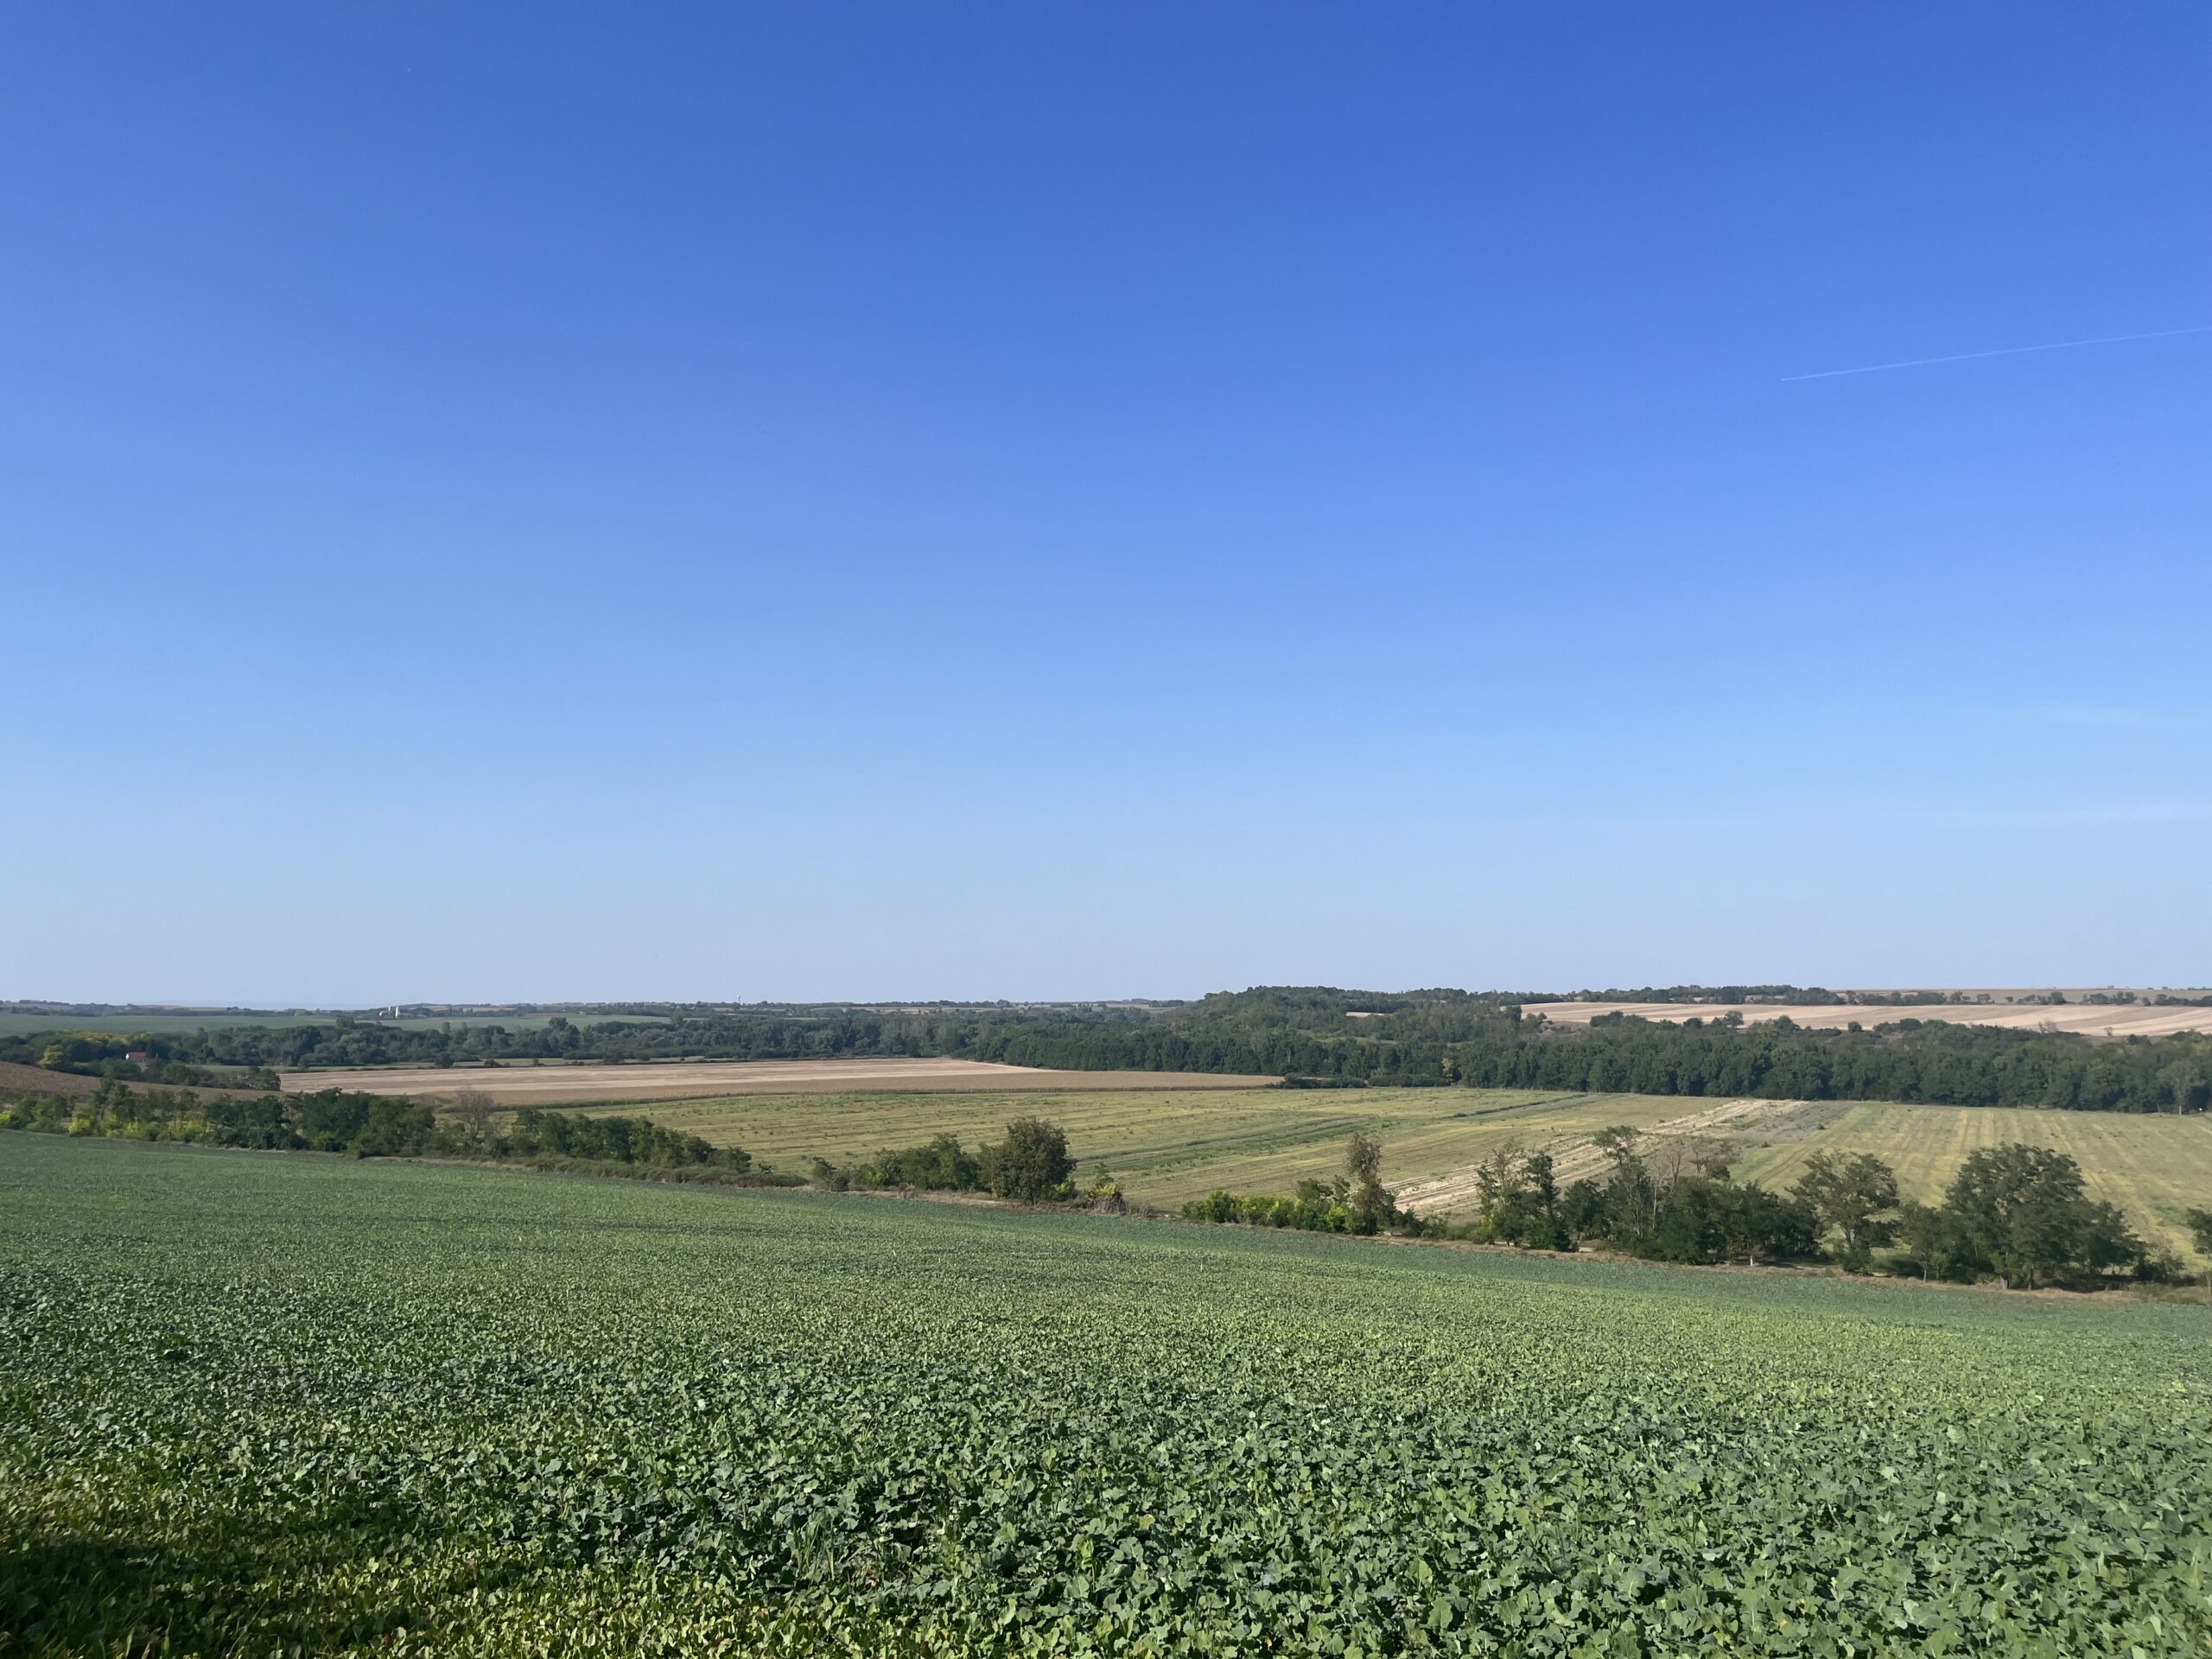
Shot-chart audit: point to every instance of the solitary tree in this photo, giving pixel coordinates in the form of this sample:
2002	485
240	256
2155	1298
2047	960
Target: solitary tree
1631	1200
1853	1195
1031	1163
1499	1179
1372	1209
473	1108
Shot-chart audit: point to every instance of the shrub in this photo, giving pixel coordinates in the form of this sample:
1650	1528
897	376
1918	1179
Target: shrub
1031	1163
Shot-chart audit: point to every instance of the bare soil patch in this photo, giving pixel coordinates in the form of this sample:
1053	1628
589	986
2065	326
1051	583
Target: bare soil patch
544	1085
37	1080
16	1080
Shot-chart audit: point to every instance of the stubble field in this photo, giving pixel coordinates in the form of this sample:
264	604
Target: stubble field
518	1083
1166	1145
1169	1146
2154	1168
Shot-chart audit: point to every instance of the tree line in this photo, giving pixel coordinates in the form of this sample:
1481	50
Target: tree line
371	1126
2016	1213
1031	1164
1307	1034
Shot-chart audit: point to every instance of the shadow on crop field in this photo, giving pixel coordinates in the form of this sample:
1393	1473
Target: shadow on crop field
61	1594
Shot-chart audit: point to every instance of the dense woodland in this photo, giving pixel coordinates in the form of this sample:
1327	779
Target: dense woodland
1315	1033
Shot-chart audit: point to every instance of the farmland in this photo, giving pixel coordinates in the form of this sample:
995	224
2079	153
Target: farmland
16	1022
240	1412
2086	1020
2152	1167
1166	1145
559	1084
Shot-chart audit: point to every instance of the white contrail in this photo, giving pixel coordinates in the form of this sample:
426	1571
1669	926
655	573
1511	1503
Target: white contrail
2006	350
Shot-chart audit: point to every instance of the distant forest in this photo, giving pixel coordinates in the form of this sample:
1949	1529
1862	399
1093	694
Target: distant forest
1310	1034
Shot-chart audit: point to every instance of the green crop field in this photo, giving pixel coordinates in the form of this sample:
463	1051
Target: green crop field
1166	1145
259	1403
2153	1167
14	1024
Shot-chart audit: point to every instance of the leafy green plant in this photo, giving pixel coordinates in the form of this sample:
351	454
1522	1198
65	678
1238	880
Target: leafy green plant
261	1405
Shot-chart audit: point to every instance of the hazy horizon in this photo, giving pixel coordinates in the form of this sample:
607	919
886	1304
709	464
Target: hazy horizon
283	1006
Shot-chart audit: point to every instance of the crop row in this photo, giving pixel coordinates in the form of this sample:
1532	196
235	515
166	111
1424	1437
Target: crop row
258	1402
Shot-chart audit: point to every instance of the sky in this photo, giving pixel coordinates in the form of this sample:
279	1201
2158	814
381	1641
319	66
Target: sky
545	501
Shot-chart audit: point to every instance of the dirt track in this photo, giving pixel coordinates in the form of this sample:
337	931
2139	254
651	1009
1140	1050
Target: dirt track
2123	1020
518	1084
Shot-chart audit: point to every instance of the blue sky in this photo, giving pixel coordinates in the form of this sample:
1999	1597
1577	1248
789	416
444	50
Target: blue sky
545	501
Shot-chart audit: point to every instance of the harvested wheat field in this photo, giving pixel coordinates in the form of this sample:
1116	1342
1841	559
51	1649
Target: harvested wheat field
2156	1167
1169	1146
1575	1156
545	1085
2110	1019
2153	1167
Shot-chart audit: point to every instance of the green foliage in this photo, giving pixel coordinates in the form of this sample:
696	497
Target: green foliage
532	1134
2199	1223
1356	1202
1306	1213
254	1405
940	1165
1308	1034
1854	1195
366	1126
2022	1210
1937	1244
1030	1164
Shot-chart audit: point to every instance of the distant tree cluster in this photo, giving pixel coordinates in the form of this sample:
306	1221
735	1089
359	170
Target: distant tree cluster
2019	1214
366	1126
103	1054
2015	1213
1355	1202
1032	1164
1665	1198
1307	1034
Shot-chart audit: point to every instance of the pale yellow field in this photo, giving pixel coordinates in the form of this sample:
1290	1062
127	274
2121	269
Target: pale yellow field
1167	1146
2089	1020
518	1084
2153	1167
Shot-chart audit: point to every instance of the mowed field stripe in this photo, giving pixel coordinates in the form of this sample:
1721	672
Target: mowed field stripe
2153	1167
1170	1146
593	1083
